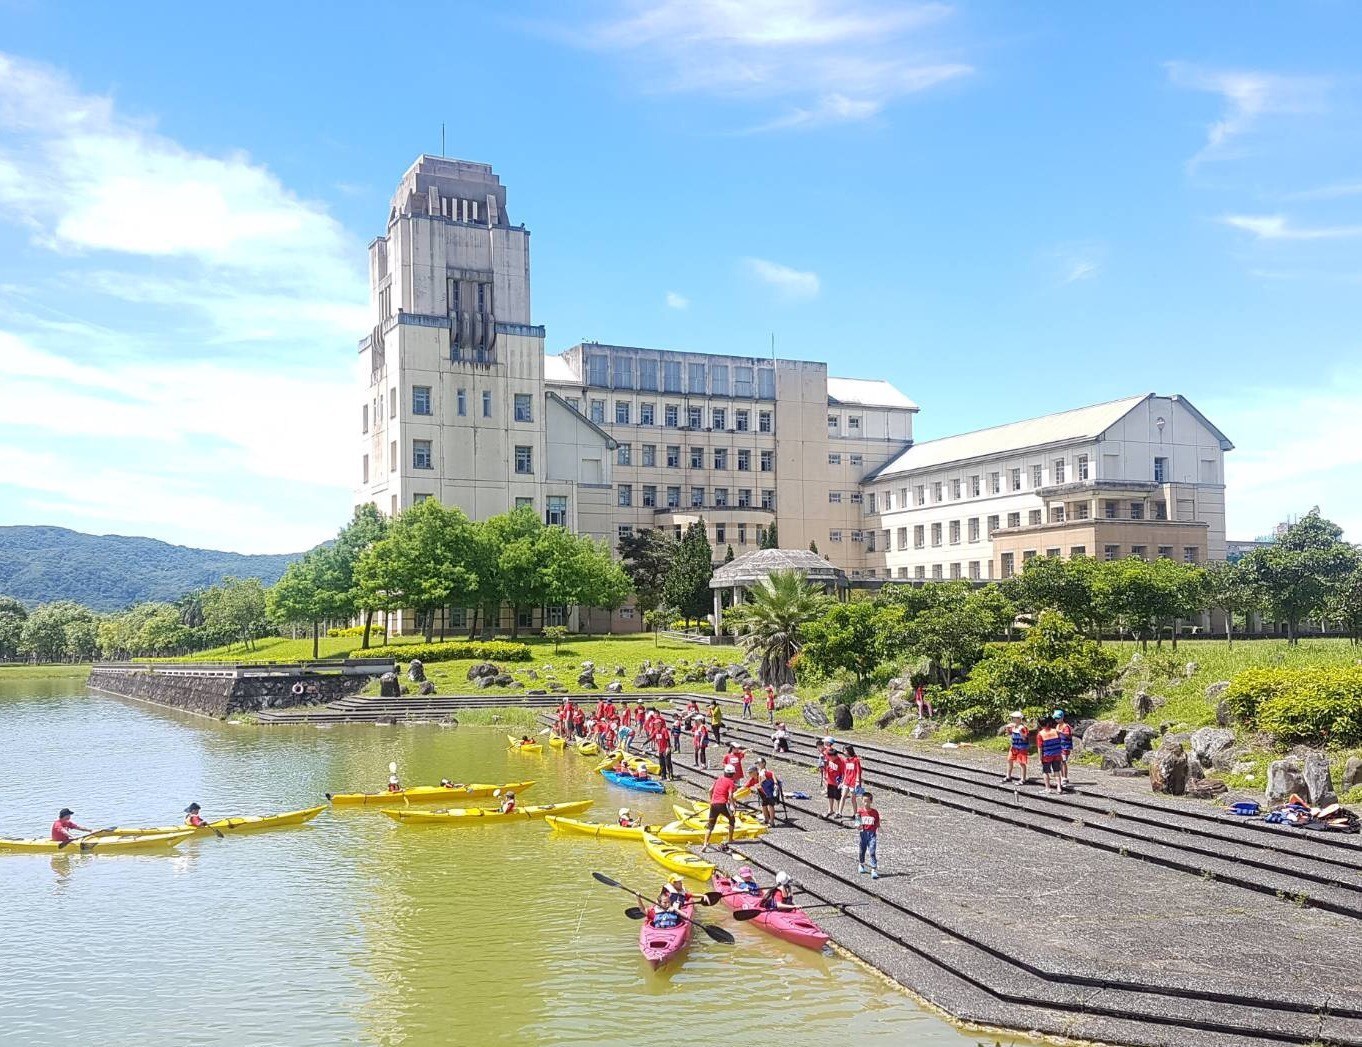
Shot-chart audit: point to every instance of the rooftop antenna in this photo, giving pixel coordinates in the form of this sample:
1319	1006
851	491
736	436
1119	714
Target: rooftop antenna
773	347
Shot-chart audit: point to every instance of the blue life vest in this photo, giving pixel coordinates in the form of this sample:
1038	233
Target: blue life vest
1050	748
1019	738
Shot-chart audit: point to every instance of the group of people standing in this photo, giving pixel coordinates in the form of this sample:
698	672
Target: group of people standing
1054	741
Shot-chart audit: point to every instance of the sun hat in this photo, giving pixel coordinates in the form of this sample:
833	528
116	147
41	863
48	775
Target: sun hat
624	811
65	812
1017	715
745	873
731	771
1058	714
782	878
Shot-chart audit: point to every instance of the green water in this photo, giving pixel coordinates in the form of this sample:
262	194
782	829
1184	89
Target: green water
354	929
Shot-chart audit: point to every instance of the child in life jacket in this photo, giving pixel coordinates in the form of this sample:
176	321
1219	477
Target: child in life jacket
508	803
745	882
627	819
1020	739
781	896
670	902
1050	744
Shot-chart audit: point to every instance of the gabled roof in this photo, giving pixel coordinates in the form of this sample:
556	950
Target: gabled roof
867	392
1079	424
557	369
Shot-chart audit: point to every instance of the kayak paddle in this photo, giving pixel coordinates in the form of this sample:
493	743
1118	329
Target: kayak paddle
752	914
708	898
717	934
82	839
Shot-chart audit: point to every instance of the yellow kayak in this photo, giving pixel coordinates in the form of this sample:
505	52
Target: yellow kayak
701	818
242	824
517	744
677	859
631	760
672	832
587	748
556	742
101	844
426	794
458	816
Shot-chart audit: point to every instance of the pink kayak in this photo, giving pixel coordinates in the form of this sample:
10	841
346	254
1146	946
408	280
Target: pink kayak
660	944
794	926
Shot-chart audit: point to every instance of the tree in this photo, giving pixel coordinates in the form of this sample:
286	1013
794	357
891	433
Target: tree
1141	596
1230	589
647	557
1345	605
316	588
728	556
235	608
366	527
1066	586
557	634
813	547
687	582
59	631
775	621
13	614
953	636
855	636
1296	575
768	539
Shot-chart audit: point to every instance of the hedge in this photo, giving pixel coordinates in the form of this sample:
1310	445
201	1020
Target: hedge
355	630
1316	706
488	651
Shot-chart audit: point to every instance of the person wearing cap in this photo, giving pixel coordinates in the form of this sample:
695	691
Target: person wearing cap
65	825
780	739
768	790
1066	746
851	780
394	783
721	805
747	700
1019	739
781	896
1050	746
700	739
508	803
745	882
193	817
674	897
868	824
832	780
627	819
770	704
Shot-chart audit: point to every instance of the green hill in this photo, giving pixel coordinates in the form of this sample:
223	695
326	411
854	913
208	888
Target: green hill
108	572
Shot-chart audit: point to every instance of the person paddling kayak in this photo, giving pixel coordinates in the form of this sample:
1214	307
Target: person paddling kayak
745	882
193	817
627	819
508	803
670	901
64	826
781	896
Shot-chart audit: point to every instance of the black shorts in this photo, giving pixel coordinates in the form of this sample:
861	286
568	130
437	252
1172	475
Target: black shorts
834	792
1052	766
717	811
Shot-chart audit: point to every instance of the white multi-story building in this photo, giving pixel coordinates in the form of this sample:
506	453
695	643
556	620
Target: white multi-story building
459	402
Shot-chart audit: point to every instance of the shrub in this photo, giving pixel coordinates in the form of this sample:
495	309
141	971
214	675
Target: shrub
489	651
1316	706
355	630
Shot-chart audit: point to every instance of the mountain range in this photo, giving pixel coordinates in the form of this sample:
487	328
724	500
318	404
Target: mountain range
107	572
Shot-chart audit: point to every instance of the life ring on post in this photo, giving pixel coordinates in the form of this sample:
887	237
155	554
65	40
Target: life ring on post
298	690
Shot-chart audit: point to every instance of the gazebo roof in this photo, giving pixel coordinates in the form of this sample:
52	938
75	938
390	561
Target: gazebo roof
750	568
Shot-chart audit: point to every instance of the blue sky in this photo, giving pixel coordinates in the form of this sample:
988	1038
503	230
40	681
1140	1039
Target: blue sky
1005	209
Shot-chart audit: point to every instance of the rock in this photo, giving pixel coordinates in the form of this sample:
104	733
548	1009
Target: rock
503	679
1319	780
1215	690
1284	778
1168	770
557	688
1104	731
1190	669
887	717
516	685
530	674
536	690
1227	758
1243	767
1139	740
786	688
588	667
1205	788
416	672
645	680
483	681
785	701
1195	772
1224	715
898	683
841	717
813	714
427	687
860	710
614	687
666	679
1352	773
1209	742
924	729
619	670
1113	756
720	682
388	687
1130	772
586	678
1144	704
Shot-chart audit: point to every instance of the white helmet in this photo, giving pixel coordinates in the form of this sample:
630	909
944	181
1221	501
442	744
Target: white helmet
782	878
624	812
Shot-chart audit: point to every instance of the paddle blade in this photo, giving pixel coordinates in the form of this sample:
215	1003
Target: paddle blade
717	934
600	877
634	913
712	897
743	915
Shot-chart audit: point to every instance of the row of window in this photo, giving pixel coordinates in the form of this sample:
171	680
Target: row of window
421	404
672	416
1007	562
974	570
423	457
624	495
835	458
738	534
720	456
835	497
626	372
835	425
977	484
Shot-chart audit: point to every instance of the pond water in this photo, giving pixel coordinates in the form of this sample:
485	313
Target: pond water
355	929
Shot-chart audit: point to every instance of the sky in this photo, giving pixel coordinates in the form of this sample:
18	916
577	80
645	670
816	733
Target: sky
1004	209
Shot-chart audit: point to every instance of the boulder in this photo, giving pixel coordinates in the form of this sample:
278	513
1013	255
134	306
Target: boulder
1139	740
1224	716
388	687
1284	778
1168	770
588	667
503	679
785	701
1227	758
619	670
586	678
1190	669
666	679
786	688
1352	773
530	674
860	710
1205	788
557	688
1214	691
536	690
614	687
1144	704
898	683
887	717
1104	731
1113	756
1195	772
416	672
1209	742
427	687
813	714
1243	767
720	682
841	717
484	681
1130	772
1319	780
923	729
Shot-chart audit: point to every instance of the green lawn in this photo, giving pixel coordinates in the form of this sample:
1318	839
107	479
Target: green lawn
282	649
25	672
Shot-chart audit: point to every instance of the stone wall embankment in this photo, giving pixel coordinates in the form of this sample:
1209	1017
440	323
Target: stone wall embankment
221	696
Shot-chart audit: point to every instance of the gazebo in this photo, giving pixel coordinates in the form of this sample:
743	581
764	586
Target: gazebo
750	568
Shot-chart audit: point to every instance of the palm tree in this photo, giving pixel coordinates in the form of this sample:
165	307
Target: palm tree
781	606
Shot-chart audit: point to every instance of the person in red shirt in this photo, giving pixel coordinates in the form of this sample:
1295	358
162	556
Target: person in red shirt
721	806
832	779
868	822
851	779
192	816
662	741
733	758
770	704
700	737
64	826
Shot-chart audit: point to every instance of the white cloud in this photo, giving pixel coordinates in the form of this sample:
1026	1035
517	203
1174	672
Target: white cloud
1073	262
1248	96
1081	269
677	301
833	60
1278	227
790	283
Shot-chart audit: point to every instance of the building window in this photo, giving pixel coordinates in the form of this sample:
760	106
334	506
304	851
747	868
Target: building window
870	503
974	486
936	491
697	497
834	425
697	457
854	425
919	572
974	570
649	455
766	383
1007	563
523	411
764	421
768	499
1016	479
597	369
647	375
1142	551
420	399
524	459
936	534
742	534
624	454
673	497
1165	552
1189	554
1033	518
995	483
673	456
621	412
1160	470
1028	555
834	459
1077	550
718	418
417	498
721	458
1137	510
742	420
1161	511
954	532
624	372
598	411
671	415
461	402
834	536
1037	476
744	497
694	417
870	541
718	379
625	494
768	461
720	533
856	498
1111	552
974	529
487	405
1059	465
1052	554
645	414
835	497
392	402
520	503
992	525
742	381
1014	519
1109	510
919	536
920	494
555	515
721	497
420	455
955	570
744	461
856	459
1056	514
671	376
649	496
936	571
525	618
695	379
902	538
1079	511
1082	470
857	536
364	469
955	489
